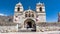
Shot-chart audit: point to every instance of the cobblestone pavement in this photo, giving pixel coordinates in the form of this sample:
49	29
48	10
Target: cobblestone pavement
50	32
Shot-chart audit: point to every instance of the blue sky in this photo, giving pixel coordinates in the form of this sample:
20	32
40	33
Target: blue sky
52	7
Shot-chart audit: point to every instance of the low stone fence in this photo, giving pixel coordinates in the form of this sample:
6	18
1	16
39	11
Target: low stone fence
8	29
48	28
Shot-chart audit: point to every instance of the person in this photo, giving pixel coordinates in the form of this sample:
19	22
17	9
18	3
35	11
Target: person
34	27
27	26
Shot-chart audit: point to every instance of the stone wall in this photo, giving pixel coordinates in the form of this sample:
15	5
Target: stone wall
8	29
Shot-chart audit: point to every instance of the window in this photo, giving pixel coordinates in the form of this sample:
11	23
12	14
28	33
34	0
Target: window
32	15
18	9
40	8
29	14
25	15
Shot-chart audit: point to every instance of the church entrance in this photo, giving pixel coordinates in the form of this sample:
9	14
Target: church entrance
30	24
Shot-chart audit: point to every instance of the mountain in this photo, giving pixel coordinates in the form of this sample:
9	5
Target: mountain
4	19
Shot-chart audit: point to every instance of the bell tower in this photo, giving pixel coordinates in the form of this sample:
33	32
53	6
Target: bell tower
40	10
18	13
19	7
40	7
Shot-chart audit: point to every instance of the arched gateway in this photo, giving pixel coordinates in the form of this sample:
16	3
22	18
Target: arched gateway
29	23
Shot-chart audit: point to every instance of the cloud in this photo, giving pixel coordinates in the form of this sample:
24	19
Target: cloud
2	14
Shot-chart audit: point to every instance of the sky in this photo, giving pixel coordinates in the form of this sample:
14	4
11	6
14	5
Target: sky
52	7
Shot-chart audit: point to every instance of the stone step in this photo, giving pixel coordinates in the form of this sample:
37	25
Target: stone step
26	30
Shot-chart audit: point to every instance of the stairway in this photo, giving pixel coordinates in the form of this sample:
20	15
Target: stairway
26	30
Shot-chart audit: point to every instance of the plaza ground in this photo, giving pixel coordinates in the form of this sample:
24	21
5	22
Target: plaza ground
50	32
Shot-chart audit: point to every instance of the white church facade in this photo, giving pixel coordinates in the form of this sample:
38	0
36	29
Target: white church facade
29	18
38	15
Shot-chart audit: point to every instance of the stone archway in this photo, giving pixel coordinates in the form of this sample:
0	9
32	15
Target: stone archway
29	23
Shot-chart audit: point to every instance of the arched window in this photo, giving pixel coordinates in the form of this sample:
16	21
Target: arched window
25	15
18	9
29	14
40	8
32	15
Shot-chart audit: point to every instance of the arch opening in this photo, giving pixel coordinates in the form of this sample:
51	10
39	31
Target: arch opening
29	23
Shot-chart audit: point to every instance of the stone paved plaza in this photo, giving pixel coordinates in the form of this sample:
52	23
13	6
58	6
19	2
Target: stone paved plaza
50	32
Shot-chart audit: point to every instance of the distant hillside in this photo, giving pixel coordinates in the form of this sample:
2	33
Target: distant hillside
6	19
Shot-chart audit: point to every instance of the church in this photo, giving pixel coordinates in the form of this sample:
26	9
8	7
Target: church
21	16
29	18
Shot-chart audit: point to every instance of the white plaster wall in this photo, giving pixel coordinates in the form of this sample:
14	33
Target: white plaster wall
41	17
